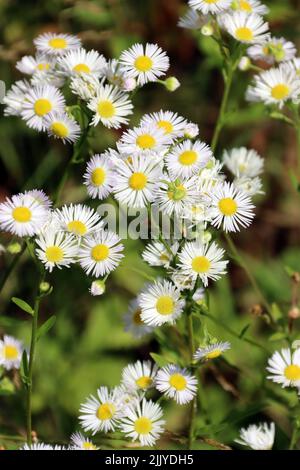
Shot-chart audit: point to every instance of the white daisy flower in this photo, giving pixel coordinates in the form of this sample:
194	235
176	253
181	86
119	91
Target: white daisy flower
182	281
258	437
246	28
101	413
30	65
56	44
116	76
39	196
111	106
22	215
36	446
39	102
156	254
176	383
210	6
203	260
133	322
80	61
11	351
78	219
187	158
249	186
56	249
160	303
84	86
100	253
231	208
191	130
243	162
284	367
249	6
192	20
294	65
80	442
143	422
61	126
136	182
144	63
275	86
144	139
171	123
176	196
273	50
15	98
100	176
127	398
139	376
212	351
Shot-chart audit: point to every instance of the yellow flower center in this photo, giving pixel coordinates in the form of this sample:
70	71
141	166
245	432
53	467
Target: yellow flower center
213	354
178	382
280	91
10	352
54	254
144	382
137	181
42	66
82	68
137	317
189	157
98	176
106	411
57	43
211	1
200	264
100	252
143	425
166	126
292	372
42	107
143	63
59	129
77	227
145	141
165	305
106	109
245	5
227	206
22	214
88	446
244	34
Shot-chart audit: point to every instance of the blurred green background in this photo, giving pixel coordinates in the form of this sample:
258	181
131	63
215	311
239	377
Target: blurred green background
88	346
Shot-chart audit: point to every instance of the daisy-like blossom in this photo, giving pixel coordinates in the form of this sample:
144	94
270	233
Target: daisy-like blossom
39	102
56	249
284	367
213	351
176	383
191	130
275	86
80	62
133	321
11	351
187	158
203	260
78	219
84	86
80	442
144	63
182	281
176	197
192	20
15	98
249	186
100	175
294	65
39	196
243	162
258	437
273	50
231	208
160	303
61	126
249	6
37	446
56	44
22	215
210	6
100	253
171	123
116	76
146	139
139	376
111	106
127	398
143	422
100	413
156	254
30	65
137	181
248	29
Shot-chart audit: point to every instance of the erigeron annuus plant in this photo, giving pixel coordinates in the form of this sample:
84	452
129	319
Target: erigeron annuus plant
160	164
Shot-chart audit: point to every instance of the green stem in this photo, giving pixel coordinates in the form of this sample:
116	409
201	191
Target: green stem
221	118
193	408
294	438
12	266
33	342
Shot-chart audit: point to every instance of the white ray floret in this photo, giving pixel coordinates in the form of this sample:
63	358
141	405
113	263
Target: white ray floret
15	98
80	442
176	383
171	123
37	446
156	253
257	437
188	158
133	321
30	65
11	351
56	249
210	6
83	62
248	29
250	6
273	50
139	376
78	219
213	351
146	138
100	175
284	367
61	126
56	44
192	20
39	196
243	162
249	186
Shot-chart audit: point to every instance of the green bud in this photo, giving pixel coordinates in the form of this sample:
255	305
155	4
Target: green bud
44	287
14	248
171	84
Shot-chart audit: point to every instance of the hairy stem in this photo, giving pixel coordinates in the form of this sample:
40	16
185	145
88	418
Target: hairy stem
221	118
193	408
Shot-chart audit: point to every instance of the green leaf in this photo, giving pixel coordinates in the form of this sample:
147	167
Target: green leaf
278	336
244	330
276	312
159	360
23	305
46	327
24	369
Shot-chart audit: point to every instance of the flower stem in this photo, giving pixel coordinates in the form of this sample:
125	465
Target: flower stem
294	438
193	409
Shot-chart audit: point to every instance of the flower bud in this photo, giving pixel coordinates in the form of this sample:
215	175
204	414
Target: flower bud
207	29
171	83
14	248
244	64
191	131
97	288
129	84
294	313
44	287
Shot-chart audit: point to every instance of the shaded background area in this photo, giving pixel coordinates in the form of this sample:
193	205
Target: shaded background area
88	346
